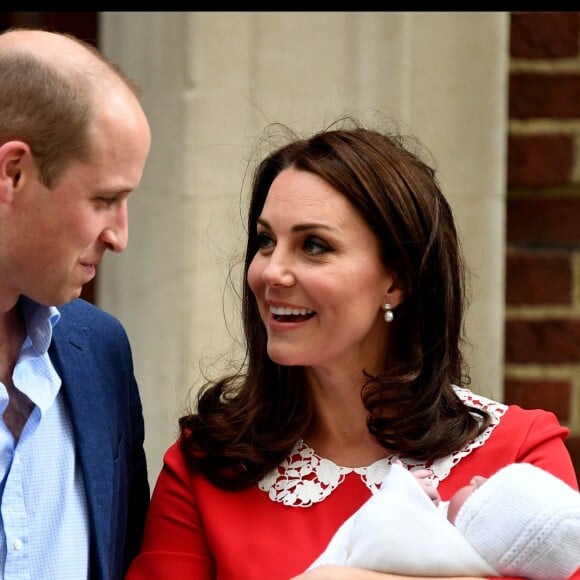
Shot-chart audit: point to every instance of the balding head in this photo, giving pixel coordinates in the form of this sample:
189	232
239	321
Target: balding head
59	49
64	52
51	87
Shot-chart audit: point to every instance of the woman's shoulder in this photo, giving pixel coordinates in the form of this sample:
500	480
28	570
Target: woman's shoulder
511	417
519	423
514	435
175	463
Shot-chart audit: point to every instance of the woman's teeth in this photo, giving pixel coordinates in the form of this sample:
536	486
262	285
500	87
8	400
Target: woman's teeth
285	314
283	311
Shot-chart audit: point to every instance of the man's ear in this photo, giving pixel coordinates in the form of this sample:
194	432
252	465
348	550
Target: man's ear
13	163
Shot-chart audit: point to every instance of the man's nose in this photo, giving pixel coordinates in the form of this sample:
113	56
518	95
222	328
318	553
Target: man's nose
116	234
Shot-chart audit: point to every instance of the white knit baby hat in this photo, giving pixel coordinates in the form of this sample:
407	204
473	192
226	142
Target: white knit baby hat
524	522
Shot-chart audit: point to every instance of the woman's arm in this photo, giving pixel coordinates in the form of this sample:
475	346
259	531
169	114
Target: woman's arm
173	545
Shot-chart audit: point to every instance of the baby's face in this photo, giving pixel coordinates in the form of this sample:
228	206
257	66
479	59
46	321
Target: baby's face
459	497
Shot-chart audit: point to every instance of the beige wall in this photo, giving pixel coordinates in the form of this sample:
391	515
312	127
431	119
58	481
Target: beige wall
211	82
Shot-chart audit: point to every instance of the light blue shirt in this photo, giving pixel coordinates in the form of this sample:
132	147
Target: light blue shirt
43	512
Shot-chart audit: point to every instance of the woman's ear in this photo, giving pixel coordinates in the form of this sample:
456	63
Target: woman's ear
395	293
12	162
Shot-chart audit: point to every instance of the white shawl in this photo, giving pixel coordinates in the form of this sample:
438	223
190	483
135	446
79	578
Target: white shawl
401	531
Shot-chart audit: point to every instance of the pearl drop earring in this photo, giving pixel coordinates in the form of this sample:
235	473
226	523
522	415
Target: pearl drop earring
388	313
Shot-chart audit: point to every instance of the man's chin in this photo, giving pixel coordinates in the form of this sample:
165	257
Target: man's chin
65	298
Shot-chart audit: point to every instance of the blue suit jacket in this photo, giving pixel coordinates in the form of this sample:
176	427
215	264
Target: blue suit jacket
91	353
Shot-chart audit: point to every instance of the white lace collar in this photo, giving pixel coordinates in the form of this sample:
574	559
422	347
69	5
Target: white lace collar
304	478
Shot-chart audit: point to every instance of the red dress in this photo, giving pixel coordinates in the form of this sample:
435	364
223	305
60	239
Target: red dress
275	529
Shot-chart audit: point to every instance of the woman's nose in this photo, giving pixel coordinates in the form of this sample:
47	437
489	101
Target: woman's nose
278	270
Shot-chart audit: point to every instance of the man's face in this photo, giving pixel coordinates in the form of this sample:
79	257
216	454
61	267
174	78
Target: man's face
60	235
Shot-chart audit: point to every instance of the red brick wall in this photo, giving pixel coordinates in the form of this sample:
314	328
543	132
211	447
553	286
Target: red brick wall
542	332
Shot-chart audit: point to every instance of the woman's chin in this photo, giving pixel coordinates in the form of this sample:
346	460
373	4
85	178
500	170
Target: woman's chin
285	358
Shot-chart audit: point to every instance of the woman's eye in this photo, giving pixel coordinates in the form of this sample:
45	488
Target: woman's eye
265	241
314	246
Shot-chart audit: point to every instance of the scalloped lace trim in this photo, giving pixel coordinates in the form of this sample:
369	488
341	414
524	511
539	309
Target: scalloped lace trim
305	478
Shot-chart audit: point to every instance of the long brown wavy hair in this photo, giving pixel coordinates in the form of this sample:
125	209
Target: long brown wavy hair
247	422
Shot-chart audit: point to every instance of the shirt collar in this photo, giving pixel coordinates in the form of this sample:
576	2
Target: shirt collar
39	320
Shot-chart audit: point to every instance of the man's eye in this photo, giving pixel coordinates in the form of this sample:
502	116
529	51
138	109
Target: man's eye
106	201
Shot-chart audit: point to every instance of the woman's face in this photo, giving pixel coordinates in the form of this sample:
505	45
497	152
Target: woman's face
318	278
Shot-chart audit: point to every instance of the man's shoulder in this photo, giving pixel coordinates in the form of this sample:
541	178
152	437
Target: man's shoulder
80	316
79	309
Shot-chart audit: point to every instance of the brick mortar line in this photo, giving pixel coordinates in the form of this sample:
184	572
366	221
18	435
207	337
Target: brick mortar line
543	126
544	312
556	66
568	372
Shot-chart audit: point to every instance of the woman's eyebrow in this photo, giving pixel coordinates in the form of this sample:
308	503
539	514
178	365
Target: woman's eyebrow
299	227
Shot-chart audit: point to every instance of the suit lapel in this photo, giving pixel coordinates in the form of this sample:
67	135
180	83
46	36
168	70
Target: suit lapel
74	358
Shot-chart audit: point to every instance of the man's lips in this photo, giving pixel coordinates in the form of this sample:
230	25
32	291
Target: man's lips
90	269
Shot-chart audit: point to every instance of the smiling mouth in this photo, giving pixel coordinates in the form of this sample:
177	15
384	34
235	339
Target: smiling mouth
291	314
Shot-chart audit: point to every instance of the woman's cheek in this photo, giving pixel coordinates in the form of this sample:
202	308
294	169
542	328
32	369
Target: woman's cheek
253	276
